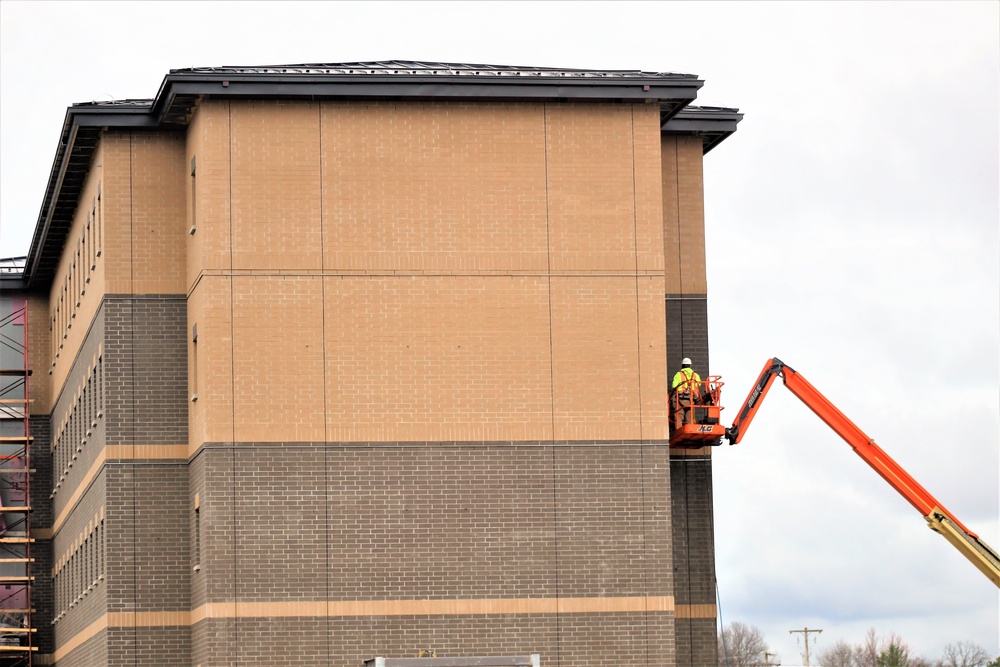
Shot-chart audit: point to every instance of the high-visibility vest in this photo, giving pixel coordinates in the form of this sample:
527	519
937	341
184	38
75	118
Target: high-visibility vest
685	380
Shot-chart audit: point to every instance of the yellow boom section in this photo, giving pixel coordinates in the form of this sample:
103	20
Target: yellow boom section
978	552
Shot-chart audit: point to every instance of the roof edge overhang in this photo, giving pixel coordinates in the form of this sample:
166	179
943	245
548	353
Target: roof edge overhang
181	89
713	124
80	134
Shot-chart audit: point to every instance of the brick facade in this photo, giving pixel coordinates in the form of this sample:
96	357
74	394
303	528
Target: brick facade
334	379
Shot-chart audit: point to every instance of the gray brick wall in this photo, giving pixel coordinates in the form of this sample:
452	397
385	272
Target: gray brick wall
79	431
146	360
41	518
421	521
90	653
147	521
94	604
691	495
687	332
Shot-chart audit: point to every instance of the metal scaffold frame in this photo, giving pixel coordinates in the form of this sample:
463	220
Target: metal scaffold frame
17	631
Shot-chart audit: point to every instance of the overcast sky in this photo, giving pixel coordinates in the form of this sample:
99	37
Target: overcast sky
852	229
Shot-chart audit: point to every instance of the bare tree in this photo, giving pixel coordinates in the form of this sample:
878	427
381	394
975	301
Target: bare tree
841	654
965	654
866	653
742	645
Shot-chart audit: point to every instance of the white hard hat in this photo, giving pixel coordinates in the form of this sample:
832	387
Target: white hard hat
685	361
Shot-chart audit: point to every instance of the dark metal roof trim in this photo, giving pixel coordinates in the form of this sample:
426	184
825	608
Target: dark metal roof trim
412	67
182	88
712	124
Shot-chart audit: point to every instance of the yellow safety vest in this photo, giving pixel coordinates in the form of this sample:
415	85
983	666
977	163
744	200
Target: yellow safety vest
686	380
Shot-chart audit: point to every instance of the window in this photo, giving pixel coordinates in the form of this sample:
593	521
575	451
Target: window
194	197
98	216
194	362
197	534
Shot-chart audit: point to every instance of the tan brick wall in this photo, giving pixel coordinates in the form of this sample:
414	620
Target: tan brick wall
79	277
144	212
602	175
434	187
275	184
684	215
277	358
442	227
126	238
39	355
208	191
437	358
210	362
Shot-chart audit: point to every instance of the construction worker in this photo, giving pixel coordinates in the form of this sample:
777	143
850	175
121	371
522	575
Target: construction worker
687	388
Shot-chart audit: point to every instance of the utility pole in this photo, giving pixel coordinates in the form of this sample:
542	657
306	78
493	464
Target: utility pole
805	633
767	660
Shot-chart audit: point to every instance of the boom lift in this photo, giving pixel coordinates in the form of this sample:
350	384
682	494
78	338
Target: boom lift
704	428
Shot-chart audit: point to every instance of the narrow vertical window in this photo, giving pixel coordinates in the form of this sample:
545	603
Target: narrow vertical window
102	547
194	196
194	362
100	386
61	312
197	533
85	400
73	437
61	453
98	216
87	548
86	249
68	313
93	397
57	460
81	285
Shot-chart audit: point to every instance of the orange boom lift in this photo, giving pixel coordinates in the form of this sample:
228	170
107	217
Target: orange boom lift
705	429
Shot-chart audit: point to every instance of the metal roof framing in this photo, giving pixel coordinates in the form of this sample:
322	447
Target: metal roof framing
180	91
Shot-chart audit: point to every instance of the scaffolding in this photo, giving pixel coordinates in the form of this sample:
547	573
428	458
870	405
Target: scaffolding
17	631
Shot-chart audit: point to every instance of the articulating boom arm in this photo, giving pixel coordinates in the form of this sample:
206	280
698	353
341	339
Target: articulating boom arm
938	518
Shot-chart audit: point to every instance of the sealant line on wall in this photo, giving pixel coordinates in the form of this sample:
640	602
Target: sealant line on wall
684	352
638	353
680	266
232	384
552	387
132	469
326	423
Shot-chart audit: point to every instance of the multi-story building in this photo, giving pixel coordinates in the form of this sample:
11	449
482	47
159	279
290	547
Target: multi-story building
336	361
